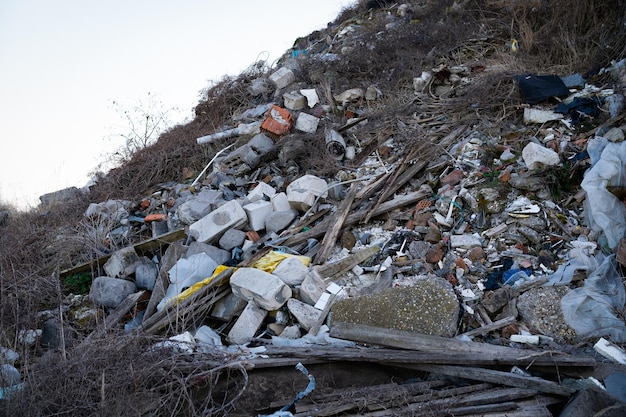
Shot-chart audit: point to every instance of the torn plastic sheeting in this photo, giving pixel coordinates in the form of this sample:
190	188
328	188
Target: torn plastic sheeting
590	309
197	286
580	106
269	262
538	88
284	412
604	211
578	260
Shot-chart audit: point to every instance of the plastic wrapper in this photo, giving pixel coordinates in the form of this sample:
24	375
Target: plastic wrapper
269	262
593	310
604	210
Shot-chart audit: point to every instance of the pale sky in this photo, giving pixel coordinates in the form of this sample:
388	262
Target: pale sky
63	62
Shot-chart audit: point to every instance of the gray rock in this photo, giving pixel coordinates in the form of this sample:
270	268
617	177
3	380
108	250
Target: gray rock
278	221
146	273
9	375
60	196
291	271
199	205
110	292
306	314
218	255
429	306
231	239
540	308
51	334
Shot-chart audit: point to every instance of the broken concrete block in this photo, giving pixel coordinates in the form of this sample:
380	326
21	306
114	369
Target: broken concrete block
278	122
465	241
122	263
294	100
307	123
306	314
261	144
535	156
282	77
303	192
218	255
214	224
199	205
428	306
312	288
280	202
277	221
231	239
109	291
267	290
257	212
247	324
228	307
540	116
291	271
262	189
311	96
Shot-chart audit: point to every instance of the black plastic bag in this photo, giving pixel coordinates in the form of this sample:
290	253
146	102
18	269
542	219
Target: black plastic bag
538	88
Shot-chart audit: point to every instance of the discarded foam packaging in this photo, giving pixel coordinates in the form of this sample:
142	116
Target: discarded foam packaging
526	339
335	144
278	122
311	96
610	351
307	123
540	116
282	77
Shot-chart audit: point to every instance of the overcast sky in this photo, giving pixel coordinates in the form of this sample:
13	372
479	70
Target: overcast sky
63	62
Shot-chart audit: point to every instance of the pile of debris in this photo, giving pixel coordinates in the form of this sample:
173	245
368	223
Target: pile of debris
448	262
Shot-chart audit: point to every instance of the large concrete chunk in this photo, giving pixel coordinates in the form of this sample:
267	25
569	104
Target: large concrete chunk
110	292
282	77
122	263
214	224
429	306
267	290
312	287
199	205
247	324
303	192
291	271
257	212
307	315
262	189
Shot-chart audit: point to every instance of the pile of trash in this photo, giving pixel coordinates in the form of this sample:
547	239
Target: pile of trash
459	242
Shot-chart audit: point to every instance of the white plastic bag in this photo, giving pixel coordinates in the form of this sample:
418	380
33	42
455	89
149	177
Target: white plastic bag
603	210
594	309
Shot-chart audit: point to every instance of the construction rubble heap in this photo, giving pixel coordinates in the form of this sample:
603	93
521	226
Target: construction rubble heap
450	255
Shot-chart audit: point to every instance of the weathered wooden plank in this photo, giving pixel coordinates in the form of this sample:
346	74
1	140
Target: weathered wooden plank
141	247
328	242
498	324
497	377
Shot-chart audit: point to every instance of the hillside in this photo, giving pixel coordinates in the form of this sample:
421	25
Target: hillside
418	210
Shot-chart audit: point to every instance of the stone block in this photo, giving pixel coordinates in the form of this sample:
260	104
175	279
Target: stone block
280	202
303	192
267	290
465	241
282	77
278	221
291	271
228	307
247	324
257	212
307	315
262	189
294	100
122	263
231	239
535	156
307	123
213	225
109	291
312	288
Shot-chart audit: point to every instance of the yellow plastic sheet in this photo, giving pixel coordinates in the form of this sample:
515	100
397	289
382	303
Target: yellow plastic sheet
270	261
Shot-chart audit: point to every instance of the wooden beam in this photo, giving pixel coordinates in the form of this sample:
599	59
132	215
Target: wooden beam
339	217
